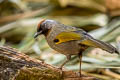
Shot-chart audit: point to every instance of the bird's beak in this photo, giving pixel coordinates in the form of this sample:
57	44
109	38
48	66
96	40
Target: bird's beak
37	34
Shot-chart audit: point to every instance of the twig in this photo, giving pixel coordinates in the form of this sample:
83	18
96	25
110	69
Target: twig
110	73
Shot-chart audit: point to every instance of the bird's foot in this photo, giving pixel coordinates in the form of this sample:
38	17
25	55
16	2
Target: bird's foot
80	75
60	70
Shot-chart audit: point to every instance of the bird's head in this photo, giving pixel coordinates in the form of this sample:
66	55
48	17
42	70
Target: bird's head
44	27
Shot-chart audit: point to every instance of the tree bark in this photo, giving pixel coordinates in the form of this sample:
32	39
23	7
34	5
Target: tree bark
15	65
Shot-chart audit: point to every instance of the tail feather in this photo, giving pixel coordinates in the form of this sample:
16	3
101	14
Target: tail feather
99	44
116	51
107	47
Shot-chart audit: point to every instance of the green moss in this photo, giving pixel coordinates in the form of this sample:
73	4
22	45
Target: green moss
38	74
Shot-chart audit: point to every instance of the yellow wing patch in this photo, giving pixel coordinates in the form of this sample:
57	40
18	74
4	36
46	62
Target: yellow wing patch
90	43
87	42
67	36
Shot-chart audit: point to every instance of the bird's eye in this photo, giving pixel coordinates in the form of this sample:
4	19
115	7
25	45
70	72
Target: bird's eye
56	40
39	29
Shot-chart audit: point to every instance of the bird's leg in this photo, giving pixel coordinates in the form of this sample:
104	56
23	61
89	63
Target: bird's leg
80	57
68	59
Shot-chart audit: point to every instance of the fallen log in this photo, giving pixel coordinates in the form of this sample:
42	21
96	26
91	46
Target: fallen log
15	65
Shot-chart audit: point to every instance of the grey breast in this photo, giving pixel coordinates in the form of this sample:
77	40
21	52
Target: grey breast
70	47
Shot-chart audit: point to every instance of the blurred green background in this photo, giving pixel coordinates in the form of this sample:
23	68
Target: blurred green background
19	19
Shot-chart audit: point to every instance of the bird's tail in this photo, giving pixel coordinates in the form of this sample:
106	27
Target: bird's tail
99	44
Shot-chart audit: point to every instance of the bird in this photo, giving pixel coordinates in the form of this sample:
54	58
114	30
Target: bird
69	40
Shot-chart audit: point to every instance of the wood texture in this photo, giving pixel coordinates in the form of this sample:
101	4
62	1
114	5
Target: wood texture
15	65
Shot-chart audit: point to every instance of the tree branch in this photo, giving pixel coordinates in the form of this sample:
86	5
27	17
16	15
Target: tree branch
15	65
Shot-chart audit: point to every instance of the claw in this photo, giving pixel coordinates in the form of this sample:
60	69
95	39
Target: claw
60	68
61	71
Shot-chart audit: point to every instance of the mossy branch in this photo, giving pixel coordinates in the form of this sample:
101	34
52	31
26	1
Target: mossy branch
15	65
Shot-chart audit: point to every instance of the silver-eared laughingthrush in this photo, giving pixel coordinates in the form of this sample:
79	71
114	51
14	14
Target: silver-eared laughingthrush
69	40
